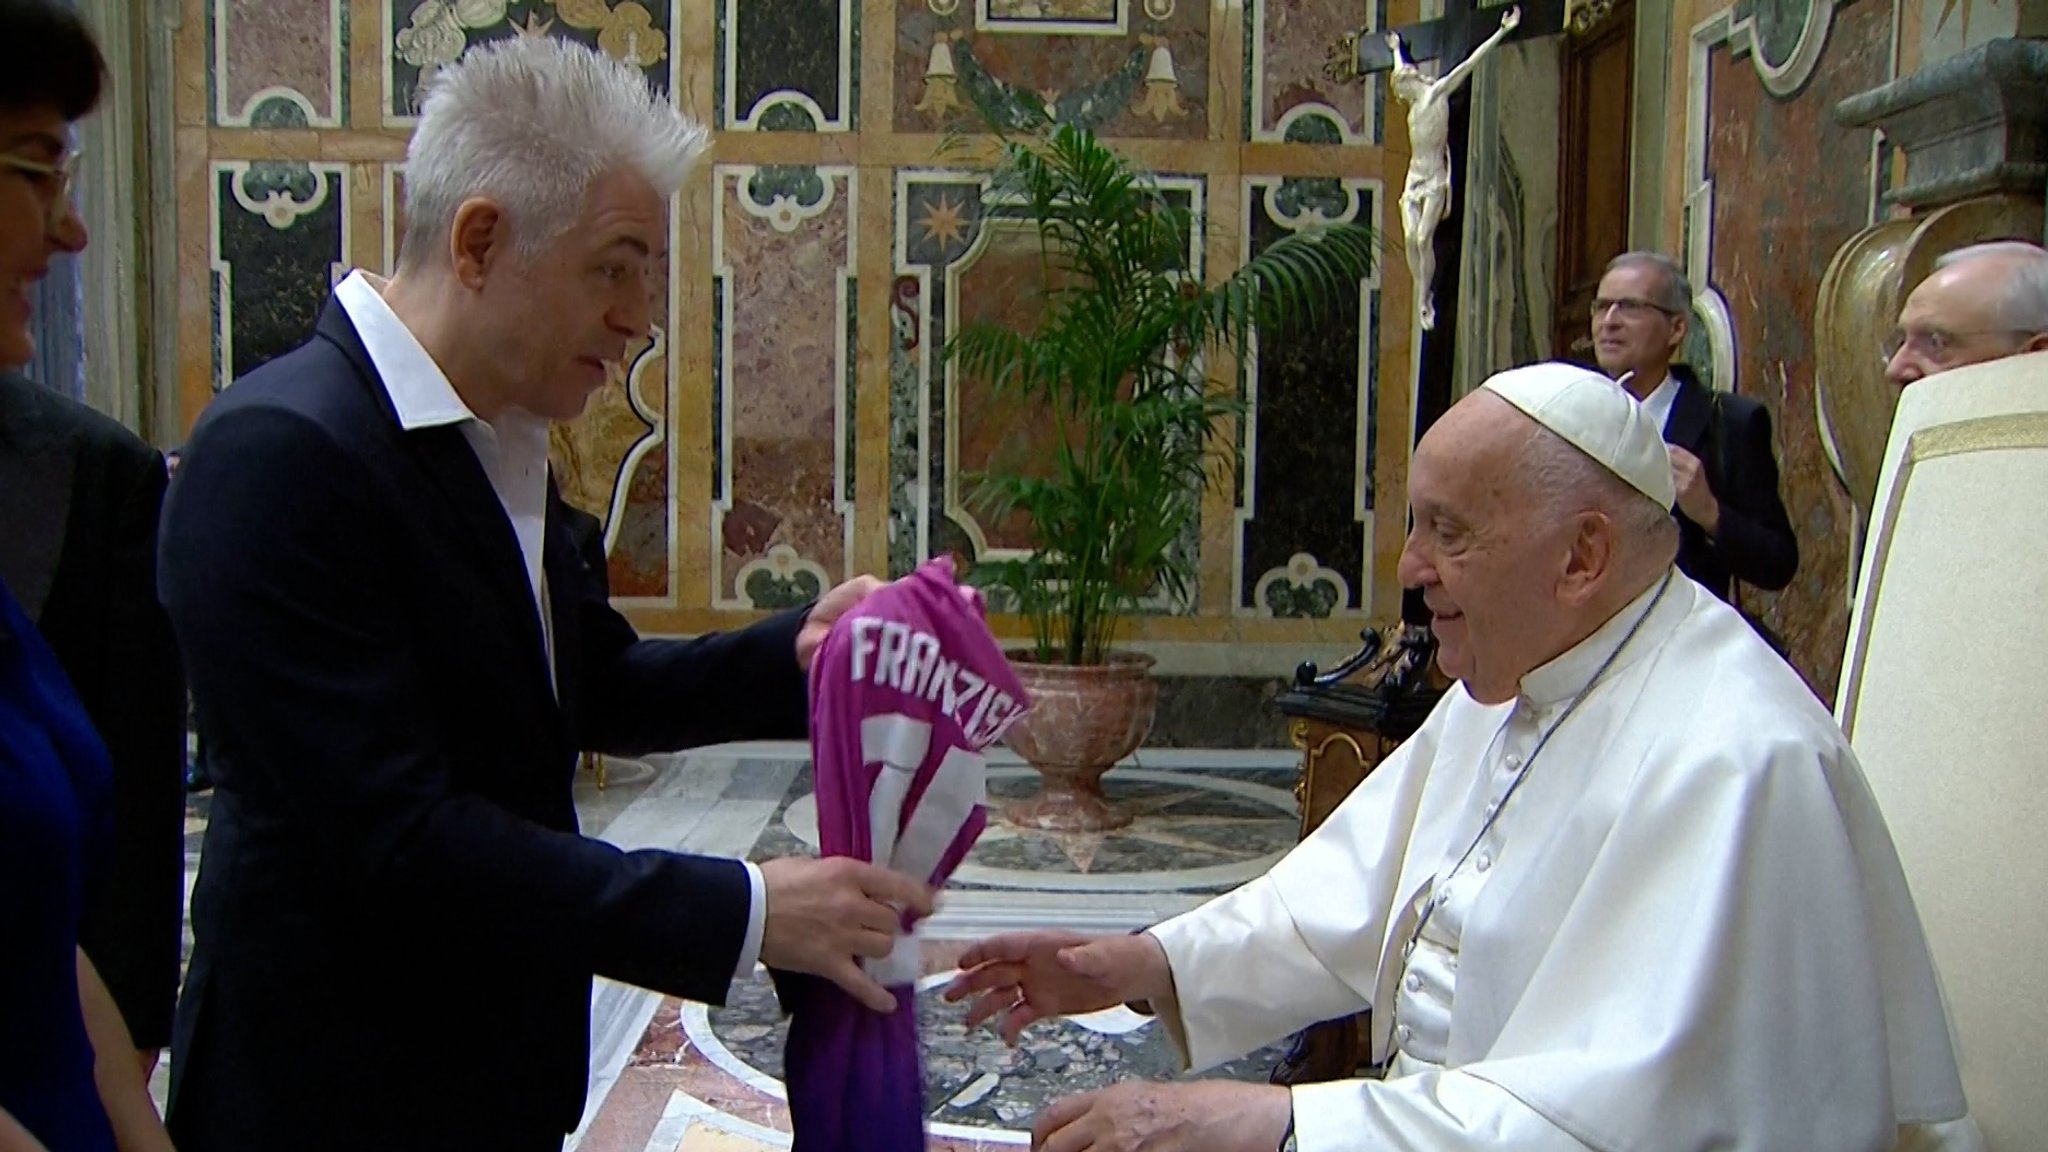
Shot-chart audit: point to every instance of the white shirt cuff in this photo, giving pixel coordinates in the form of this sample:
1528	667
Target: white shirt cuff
757	921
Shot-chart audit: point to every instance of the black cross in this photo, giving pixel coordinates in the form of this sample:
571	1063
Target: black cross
1464	25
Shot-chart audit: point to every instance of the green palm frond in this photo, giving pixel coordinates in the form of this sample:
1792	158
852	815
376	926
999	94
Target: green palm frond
1118	360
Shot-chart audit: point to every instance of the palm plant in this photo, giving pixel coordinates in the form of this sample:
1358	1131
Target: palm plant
1118	362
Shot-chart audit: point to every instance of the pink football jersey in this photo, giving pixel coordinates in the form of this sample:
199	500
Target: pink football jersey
906	691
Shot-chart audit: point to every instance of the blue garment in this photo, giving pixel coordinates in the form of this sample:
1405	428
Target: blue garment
55	820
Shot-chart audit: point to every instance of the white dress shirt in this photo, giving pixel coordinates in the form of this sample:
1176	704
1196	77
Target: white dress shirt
1657	405
513	451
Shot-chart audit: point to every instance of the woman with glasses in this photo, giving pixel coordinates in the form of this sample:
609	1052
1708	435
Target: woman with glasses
93	883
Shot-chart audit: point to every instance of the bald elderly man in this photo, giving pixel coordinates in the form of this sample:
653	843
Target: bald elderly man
1984	302
1626	888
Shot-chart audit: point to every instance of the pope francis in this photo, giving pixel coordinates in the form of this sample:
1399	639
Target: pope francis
1625	890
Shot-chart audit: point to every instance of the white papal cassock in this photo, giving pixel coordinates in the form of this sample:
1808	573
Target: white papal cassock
1686	929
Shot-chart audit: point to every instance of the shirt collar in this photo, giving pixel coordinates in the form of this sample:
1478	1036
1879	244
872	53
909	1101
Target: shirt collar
1571	673
1657	405
419	390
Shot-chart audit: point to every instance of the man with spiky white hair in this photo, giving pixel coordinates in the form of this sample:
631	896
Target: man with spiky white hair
397	656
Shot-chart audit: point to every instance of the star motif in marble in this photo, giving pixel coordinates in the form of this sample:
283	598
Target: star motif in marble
943	221
1152	822
534	28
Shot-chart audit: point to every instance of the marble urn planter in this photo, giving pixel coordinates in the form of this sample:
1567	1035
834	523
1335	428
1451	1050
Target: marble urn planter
1083	719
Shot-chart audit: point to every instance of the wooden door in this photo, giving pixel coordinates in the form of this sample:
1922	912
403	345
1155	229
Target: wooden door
1593	172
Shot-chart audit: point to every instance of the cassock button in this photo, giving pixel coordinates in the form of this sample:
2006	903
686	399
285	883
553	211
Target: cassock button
1512	763
1404	1033
1491	809
1414	982
1485	861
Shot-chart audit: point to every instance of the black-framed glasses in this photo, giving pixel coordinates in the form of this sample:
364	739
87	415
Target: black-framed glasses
52	180
1935	343
1629	307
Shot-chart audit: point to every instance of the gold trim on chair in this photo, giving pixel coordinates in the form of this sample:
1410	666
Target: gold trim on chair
2011	432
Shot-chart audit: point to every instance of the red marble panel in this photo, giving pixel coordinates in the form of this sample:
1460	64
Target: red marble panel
1293	37
1774	230
264	49
1112	83
785	371
1002	286
639	558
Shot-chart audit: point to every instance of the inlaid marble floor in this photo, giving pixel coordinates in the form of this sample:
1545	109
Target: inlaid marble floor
668	1076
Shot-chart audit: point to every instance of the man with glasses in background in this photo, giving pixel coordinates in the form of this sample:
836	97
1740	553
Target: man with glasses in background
1731	519
1984	302
79	501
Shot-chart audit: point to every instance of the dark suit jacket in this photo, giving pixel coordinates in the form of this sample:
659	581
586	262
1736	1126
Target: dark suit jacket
79	499
396	920
1755	542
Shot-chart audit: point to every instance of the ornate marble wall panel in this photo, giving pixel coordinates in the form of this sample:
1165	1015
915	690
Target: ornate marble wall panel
960	262
784	258
1286	41
1306	500
1765	78
278	63
279	238
997	282
938	222
788	66
420	36
1129	68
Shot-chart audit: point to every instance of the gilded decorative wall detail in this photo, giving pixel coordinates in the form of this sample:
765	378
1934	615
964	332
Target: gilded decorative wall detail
426	36
1136	74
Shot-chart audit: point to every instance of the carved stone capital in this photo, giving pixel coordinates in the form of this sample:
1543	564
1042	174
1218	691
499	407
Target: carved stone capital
1972	125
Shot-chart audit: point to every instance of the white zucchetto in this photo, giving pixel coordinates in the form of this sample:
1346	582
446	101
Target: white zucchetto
1596	416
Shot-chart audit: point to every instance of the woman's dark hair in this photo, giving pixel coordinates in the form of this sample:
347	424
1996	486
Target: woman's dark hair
48	59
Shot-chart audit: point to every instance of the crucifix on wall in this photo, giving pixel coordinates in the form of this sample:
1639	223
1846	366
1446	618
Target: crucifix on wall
1452	42
1427	194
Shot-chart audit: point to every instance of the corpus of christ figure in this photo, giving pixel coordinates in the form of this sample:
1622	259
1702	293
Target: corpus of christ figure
1427	196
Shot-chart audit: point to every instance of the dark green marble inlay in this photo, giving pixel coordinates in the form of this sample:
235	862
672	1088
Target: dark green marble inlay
788	46
800	183
1314	600
278	277
771	591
